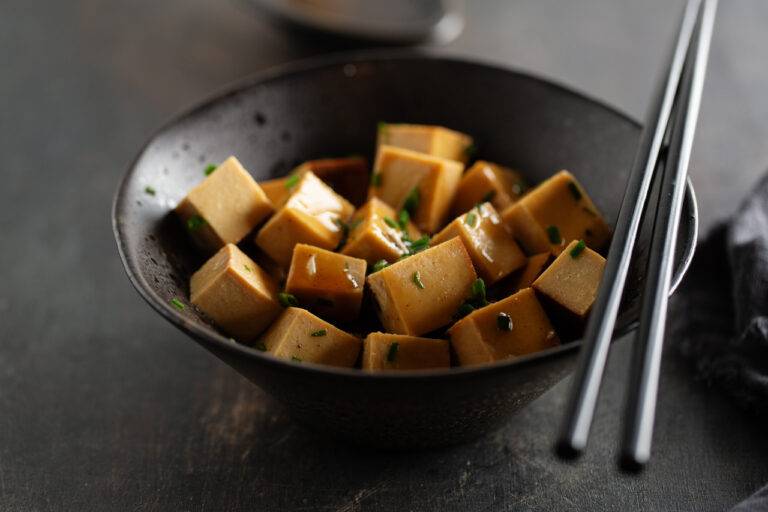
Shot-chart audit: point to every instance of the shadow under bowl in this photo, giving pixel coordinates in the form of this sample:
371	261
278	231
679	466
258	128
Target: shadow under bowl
331	106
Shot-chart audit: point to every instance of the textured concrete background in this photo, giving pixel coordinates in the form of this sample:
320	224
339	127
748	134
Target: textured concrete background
104	406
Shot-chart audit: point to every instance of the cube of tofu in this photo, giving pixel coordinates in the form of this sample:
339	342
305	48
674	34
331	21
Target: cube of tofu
347	176
422	292
551	215
426	183
532	270
300	336
432	140
493	250
384	351
313	214
224	208
572	280
510	328
486	181
327	283
236	293
374	233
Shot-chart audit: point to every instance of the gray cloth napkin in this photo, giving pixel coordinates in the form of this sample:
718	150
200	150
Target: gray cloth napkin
722	312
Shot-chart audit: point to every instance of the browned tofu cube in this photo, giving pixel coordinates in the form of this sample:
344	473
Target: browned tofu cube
313	214
300	336
491	246
224	208
384	351
422	292
236	293
551	215
277	190
510	328
327	283
572	280
422	184
432	140
532	270
375	233
486	181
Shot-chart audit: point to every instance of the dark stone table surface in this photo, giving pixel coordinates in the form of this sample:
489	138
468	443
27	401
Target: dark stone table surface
105	406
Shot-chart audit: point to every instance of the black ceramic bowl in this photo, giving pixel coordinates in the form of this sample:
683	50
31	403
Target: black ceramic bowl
331	107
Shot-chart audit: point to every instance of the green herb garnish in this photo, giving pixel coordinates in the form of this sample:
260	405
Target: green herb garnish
195	222
344	228
297	359
417	245
574	188
209	169
177	304
287	299
478	292
504	322
379	265
403	218
381	127
465	309
150	190
416	278
412	201
470	151
392	352
292	180
391	222
578	249
471	220
260	346
554	235
488	197
247	268
318	333
354	223
376	179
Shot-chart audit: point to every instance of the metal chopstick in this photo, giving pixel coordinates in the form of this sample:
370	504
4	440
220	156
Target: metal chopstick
641	402
597	338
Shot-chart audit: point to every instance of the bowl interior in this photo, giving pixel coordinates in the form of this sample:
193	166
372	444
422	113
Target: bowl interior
331	107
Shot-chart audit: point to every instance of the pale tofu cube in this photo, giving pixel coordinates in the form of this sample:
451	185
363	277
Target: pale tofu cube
423	184
224	208
493	250
486	181
300	336
572	280
313	214
236	293
551	215
432	140
277	191
510	328
327	283
375	233
385	351
422	292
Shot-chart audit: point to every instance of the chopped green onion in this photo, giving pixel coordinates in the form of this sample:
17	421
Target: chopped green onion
380	127
376	179
150	190
297	359
209	169
418	245
392	352
471	150
578	249
379	265
260	346
318	333
487	198
287	300
554	235
465	309
574	188
177	304
355	223
292	180
247	268
412	201
403	218
478	289
504	322
391	223
195	222
416	278
344	228
471	220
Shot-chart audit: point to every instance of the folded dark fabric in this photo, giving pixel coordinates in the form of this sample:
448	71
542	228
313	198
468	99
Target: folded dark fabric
721	311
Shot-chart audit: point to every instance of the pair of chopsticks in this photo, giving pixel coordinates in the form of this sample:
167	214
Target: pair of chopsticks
665	147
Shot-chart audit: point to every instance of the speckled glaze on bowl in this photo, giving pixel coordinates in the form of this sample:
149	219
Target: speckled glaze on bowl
330	106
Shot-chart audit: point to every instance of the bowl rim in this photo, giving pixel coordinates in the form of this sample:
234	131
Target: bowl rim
217	341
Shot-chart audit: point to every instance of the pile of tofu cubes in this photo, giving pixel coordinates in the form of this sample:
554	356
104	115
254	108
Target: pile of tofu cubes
413	265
